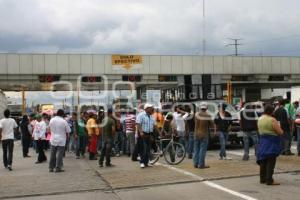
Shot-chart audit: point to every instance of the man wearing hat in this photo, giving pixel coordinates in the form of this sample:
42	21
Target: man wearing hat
145	126
203	122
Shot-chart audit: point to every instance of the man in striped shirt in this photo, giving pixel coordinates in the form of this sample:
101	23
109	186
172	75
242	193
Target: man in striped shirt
130	131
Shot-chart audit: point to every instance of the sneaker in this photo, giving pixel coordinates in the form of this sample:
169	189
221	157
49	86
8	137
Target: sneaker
142	165
245	158
117	155
9	168
100	165
139	158
50	170
150	165
109	165
227	158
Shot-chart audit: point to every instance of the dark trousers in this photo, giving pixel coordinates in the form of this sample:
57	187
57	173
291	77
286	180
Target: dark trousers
105	152
145	154
267	167
137	149
26	141
81	145
8	148
41	145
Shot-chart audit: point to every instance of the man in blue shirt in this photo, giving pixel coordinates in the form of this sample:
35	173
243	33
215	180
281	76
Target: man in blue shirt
145	125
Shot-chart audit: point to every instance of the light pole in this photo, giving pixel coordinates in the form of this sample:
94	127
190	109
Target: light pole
203	29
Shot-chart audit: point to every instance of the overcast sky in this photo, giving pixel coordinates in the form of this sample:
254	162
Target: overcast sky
267	27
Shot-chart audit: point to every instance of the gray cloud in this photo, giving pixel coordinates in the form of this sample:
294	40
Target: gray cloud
149	27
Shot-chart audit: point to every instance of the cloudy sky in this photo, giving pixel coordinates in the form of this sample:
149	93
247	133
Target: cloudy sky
267	27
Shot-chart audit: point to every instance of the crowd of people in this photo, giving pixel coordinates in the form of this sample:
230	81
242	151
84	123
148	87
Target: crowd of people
107	133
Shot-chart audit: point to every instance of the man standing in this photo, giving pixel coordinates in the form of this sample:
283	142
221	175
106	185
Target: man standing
60	130
145	125
130	131
248	123
81	137
25	129
179	118
109	131
281	115
223	121
39	135
203	123
7	127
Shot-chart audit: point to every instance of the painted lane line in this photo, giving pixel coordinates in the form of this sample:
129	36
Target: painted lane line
238	153
208	183
181	171
224	189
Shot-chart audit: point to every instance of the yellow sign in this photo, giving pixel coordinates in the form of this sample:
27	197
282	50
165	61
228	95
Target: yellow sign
126	61
47	107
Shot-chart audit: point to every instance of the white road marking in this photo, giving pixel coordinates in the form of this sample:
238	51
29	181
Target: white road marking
224	189
238	153
208	183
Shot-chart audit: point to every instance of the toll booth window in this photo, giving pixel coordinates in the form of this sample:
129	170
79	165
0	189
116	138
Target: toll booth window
276	78
240	78
167	78
91	79
132	78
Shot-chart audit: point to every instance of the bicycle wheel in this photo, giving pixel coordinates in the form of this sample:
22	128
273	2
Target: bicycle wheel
175	153
155	153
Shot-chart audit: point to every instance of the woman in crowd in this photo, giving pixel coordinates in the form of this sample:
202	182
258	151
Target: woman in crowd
269	145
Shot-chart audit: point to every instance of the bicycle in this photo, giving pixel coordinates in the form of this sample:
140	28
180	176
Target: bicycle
174	153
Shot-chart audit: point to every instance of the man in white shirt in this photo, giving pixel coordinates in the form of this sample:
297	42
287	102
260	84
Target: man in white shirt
39	134
60	130
7	127
179	118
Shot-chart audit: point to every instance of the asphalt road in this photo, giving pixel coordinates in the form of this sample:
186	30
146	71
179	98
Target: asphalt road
84	180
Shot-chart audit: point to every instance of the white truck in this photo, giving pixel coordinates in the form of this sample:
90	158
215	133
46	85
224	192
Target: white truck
295	93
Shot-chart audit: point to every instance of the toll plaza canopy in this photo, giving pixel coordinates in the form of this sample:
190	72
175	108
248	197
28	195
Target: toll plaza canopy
36	72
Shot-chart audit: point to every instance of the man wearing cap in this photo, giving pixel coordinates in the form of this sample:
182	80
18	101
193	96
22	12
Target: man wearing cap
145	125
203	123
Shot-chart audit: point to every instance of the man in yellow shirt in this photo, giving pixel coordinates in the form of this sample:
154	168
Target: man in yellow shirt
93	133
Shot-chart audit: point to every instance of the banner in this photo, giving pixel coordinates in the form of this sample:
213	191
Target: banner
126	62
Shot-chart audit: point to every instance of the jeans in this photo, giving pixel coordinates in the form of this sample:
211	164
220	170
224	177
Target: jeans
106	151
267	170
138	149
145	154
200	149
119	142
298	140
286	142
130	142
223	138
8	148
81	145
247	135
72	144
191	143
56	157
